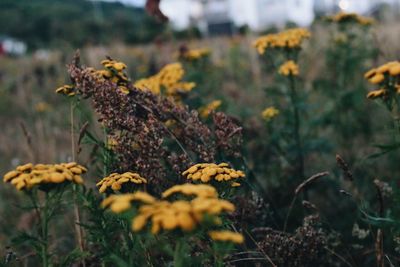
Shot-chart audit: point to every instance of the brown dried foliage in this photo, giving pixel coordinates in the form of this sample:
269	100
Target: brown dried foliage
305	247
153	134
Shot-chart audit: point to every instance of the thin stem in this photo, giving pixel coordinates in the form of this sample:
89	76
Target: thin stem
296	128
72	130
340	257
289	211
261	250
178	254
78	229
44	232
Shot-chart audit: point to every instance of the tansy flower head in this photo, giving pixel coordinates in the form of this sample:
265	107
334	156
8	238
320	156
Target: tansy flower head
194	54
387	76
377	93
121	203
343	17
269	113
26	176
203	191
169	78
180	214
67	90
206	172
206	111
289	68
226	236
119	182
165	215
114	72
290	39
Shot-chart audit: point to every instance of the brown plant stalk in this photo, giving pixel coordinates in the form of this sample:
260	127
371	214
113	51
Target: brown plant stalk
298	189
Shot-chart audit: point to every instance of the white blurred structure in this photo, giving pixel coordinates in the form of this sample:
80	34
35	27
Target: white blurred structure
257	14
11	46
260	14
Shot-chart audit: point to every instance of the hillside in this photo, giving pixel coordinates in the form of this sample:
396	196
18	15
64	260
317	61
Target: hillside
49	23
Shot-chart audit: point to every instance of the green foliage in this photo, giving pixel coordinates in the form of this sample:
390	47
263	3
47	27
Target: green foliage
76	23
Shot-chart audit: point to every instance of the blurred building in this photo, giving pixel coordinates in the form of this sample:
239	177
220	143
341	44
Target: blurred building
11	46
222	15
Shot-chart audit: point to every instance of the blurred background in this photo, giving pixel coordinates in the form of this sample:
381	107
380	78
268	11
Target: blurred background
39	25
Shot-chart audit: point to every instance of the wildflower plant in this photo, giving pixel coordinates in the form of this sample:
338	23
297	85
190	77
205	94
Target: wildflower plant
348	51
121	182
151	133
287	45
387	77
214	173
45	185
184	211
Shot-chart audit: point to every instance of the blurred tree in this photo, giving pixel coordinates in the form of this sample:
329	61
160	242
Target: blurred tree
49	23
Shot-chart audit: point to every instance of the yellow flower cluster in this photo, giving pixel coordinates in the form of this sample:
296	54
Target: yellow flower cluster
28	175
269	113
387	75
199	190
205	172
206	111
343	17
195	54
114	72
121	203
115	181
226	236
289	68
291	38
170	215
182	214
67	90
169	78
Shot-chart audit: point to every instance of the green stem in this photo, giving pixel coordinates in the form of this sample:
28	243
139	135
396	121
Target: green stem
44	232
179	257
296	128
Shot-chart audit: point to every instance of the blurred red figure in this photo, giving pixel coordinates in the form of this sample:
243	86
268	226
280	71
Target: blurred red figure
153	8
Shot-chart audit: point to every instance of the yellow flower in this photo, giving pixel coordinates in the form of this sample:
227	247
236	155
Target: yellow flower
115	181
291	39
269	113
169	78
376	93
212	206
343	17
204	191
114	72
180	214
165	215
121	203
206	111
111	142
195	54
377	78
28	175
385	75
67	90
206	172
369	74
289	68
226	236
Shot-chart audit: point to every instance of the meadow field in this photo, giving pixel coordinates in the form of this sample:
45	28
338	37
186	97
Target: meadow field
278	149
